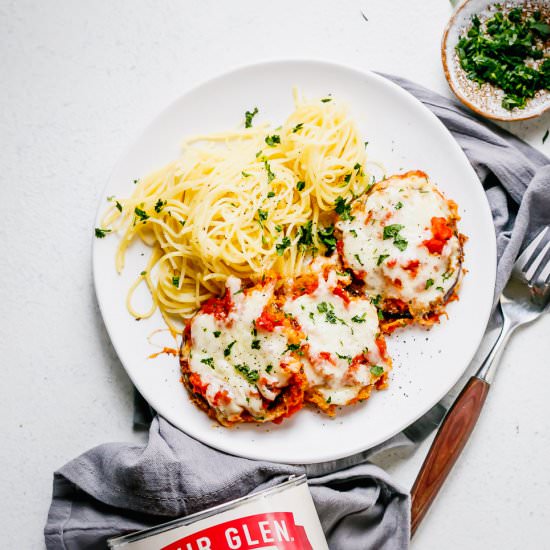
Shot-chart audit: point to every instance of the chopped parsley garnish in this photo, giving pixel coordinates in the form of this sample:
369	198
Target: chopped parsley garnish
270	174
358	258
141	214
357	319
347	178
278	228
269	368
298	127
358	170
255	344
282	246
119	206
208	361
326	236
447	275
245	174
182	222
250	375
160	204
344	357
429	283
440	288
380	315
343	209
292	347
381	258
143	273
100	233
392	232
248	116
329	400
176	281
376	370
400	243
273	140
271	194
503	51
217	333
301	185
262	215
305	239
375	300
227	350
326	99
322	307
328	310
399	205
330	317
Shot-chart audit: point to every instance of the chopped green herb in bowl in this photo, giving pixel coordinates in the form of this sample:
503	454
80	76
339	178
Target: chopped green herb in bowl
507	50
496	57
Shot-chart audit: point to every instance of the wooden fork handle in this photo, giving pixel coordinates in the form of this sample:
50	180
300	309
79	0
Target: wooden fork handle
446	447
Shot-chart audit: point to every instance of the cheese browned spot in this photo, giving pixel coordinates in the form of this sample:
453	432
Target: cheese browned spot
402	242
238	370
344	354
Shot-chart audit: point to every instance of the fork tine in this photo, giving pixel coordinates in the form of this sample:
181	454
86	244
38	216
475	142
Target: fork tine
529	252
544	277
533	268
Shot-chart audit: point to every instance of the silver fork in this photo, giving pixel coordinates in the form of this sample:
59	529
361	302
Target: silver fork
523	300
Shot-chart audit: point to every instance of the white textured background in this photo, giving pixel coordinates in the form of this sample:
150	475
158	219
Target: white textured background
78	81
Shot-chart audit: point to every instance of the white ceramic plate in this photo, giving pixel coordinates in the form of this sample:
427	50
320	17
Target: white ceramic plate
403	135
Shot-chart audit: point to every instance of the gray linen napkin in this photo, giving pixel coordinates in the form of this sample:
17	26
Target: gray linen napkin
118	488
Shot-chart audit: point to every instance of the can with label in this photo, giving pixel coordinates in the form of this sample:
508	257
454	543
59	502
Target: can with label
280	518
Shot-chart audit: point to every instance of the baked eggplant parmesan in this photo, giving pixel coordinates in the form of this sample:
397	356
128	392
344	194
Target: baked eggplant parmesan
402	243
344	353
240	356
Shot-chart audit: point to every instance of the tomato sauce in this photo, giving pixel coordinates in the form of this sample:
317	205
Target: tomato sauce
338	291
441	234
381	345
269	319
219	307
197	383
412	267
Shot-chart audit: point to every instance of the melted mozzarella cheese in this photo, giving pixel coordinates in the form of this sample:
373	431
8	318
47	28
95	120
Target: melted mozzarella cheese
410	202
335	334
231	356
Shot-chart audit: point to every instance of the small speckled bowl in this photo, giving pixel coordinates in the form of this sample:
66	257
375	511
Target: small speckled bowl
486	99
